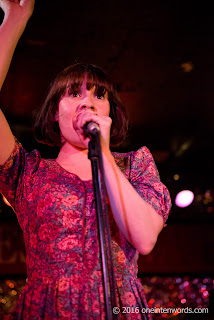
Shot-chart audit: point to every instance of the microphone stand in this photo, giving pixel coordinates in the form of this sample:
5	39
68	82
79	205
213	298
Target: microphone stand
103	226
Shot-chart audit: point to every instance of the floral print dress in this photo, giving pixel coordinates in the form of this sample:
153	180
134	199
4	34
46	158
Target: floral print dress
56	211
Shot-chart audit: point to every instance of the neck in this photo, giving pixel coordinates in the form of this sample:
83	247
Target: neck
76	161
70	154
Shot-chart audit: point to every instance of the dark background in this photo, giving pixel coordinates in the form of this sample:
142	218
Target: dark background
158	53
160	56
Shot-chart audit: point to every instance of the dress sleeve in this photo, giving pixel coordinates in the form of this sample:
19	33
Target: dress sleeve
16	173
145	179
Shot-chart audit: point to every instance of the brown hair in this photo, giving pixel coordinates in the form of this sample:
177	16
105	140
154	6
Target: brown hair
46	128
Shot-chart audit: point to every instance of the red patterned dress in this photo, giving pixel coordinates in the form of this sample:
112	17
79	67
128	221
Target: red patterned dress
56	211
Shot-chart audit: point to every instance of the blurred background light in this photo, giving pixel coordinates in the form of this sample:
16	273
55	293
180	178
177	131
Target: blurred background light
184	198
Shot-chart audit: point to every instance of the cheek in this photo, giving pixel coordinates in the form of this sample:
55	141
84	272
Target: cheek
105	110
65	114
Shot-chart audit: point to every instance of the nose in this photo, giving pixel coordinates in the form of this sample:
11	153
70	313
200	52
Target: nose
85	106
87	103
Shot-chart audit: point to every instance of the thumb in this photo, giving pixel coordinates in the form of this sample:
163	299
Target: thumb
27	5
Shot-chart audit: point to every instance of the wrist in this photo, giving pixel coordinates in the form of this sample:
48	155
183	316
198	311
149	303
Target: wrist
14	24
16	20
107	157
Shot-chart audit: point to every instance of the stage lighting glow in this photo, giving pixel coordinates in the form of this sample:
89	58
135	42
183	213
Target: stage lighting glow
6	201
184	198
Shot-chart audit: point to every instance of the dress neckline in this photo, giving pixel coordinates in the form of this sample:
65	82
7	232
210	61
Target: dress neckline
63	170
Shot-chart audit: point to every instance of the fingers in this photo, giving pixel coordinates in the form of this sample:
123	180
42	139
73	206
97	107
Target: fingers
104	123
21	6
5	4
83	117
27	5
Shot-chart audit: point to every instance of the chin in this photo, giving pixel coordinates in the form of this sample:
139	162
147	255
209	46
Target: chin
79	144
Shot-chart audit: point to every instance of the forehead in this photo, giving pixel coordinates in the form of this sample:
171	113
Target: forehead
83	81
87	83
92	78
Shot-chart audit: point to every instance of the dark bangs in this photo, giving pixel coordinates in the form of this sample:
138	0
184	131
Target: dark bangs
46	128
93	75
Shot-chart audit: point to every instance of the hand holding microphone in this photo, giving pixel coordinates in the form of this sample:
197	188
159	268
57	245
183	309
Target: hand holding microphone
88	124
91	128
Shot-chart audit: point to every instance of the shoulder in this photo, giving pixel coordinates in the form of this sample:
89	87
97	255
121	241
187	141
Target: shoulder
22	158
142	151
131	158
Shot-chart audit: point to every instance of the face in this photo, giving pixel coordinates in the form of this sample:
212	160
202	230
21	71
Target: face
73	105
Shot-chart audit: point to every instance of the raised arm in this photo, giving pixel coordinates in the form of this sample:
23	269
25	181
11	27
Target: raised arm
16	16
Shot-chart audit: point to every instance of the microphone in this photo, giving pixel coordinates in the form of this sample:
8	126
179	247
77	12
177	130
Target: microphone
91	128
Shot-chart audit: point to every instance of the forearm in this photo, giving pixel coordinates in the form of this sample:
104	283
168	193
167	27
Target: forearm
10	32
15	19
138	221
